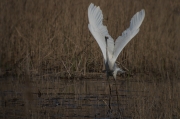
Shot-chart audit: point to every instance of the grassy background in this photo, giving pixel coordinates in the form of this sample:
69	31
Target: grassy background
42	36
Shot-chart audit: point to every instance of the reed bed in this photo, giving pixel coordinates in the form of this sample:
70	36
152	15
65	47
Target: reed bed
51	38
44	36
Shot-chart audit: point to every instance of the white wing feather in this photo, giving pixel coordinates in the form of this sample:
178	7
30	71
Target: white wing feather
99	31
129	33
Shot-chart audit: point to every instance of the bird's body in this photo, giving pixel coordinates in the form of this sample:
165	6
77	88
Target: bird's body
110	48
111	68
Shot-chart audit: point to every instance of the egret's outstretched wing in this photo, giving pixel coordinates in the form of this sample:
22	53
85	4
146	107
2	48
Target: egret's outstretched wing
129	33
99	31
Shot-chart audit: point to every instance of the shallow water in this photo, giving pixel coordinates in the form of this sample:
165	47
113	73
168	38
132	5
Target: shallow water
65	98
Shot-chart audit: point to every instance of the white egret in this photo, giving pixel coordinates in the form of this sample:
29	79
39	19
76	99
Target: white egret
110	48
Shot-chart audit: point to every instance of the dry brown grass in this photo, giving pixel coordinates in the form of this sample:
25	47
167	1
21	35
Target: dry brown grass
42	36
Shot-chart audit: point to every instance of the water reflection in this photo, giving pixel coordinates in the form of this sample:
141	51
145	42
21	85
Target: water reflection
63	98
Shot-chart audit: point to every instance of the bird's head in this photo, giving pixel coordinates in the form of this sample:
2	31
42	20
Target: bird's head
116	71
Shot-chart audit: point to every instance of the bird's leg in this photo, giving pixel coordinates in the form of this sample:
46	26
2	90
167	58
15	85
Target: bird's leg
117	97
109	93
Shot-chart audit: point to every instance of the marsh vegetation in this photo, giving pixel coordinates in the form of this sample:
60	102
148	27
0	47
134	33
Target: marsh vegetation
46	47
